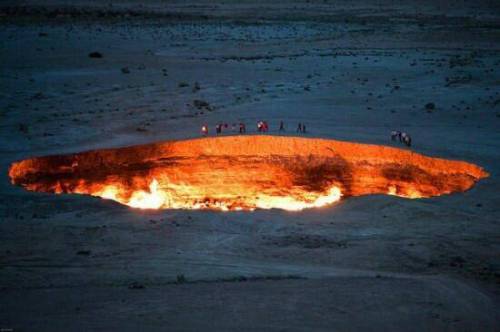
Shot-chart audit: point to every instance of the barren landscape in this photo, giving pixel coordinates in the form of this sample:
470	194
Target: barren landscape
79	76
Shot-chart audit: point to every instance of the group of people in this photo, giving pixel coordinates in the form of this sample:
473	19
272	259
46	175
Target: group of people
262	127
224	127
402	136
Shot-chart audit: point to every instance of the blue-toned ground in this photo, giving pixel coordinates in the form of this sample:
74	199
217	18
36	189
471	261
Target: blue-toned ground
351	71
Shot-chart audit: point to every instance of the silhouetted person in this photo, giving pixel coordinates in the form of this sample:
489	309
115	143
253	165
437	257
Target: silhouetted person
395	134
406	139
282	126
299	128
303	128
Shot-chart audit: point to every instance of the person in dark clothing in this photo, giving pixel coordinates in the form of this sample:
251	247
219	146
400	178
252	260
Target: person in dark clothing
407	140
395	134
303	128
261	126
282	126
299	128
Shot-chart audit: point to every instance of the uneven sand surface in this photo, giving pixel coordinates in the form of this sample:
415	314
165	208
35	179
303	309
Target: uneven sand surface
350	71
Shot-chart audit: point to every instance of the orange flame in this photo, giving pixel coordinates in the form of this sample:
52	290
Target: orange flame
245	173
157	198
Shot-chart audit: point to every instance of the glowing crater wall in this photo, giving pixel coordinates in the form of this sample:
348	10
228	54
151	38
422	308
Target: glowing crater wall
244	173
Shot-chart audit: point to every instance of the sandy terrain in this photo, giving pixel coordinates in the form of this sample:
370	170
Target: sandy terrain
351	71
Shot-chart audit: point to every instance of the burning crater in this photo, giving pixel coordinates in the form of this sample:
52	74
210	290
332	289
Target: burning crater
244	173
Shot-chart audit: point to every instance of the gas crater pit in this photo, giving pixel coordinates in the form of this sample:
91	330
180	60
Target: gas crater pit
244	173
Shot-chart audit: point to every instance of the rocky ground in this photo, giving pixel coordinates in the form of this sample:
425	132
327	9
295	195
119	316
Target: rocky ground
98	75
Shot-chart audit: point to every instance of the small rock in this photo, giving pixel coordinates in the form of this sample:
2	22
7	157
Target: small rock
95	55
135	285
23	128
38	96
196	87
457	261
430	107
199	104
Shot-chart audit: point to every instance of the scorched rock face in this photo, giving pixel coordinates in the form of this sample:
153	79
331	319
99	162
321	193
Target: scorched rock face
244	173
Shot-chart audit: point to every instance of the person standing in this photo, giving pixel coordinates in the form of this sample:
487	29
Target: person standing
299	128
204	130
282	126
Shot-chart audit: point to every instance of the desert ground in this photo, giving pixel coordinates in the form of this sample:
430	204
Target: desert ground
349	70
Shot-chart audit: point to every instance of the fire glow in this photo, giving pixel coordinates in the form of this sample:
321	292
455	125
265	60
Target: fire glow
245	173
